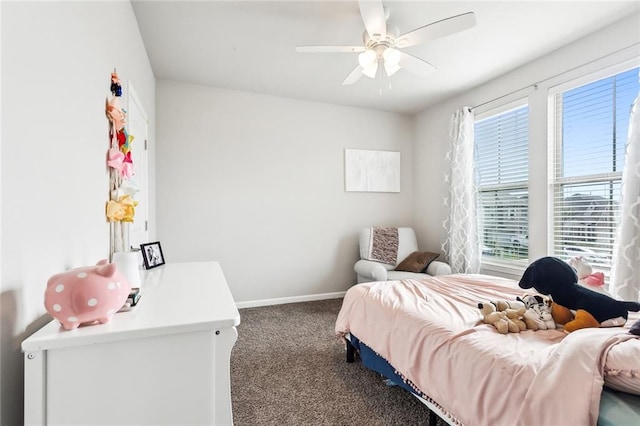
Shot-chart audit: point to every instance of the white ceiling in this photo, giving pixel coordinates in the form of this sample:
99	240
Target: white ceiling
250	45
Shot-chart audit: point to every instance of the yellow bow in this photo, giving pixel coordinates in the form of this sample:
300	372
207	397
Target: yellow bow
121	210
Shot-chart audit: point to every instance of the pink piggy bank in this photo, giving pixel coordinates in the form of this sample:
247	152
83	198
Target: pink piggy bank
87	294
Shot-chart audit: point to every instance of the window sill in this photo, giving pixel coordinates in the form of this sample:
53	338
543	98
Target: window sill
503	269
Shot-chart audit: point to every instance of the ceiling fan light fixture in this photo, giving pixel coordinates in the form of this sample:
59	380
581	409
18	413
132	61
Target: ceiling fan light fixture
370	71
391	56
367	59
391	69
382	43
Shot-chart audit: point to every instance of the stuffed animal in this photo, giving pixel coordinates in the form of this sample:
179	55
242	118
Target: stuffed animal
586	277
562	315
514	310
517	318
508	304
580	318
556	278
538	312
532	321
491	316
499	319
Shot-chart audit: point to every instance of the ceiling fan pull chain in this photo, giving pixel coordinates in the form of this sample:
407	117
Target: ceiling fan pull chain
380	82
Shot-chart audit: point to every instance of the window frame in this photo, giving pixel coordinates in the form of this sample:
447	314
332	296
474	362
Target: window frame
554	147
501	106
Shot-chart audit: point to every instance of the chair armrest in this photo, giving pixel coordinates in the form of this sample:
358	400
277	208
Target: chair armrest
371	270
438	268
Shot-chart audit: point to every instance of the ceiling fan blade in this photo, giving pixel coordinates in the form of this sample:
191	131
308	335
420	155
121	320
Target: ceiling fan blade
330	49
437	29
374	18
353	76
415	65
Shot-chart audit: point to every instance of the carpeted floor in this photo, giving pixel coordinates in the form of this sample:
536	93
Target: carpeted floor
288	368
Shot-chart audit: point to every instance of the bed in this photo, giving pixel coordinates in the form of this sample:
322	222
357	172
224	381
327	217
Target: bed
427	335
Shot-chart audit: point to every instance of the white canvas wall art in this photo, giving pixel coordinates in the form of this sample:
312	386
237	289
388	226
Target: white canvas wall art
371	171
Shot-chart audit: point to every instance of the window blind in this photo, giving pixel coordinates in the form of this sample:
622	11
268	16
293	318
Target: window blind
502	175
591	124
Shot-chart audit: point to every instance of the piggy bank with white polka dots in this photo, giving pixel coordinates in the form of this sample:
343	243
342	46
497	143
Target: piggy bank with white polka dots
85	295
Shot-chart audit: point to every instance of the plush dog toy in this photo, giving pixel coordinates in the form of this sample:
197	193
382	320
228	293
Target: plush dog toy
514	310
537	315
555	277
503	305
499	319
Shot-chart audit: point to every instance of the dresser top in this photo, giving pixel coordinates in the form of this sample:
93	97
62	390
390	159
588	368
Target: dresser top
175	298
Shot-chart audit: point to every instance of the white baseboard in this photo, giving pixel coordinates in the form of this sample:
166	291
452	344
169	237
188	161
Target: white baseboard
294	299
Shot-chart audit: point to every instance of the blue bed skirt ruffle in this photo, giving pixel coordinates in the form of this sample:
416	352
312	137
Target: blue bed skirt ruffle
375	362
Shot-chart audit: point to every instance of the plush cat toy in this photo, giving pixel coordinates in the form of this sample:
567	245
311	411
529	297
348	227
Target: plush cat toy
555	277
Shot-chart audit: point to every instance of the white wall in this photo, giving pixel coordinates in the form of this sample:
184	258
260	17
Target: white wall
587	55
254	181
257	182
56	63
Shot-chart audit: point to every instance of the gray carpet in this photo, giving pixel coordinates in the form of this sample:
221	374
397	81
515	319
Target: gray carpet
288	368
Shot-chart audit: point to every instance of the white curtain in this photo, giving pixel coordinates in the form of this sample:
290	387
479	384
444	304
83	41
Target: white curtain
625	283
461	246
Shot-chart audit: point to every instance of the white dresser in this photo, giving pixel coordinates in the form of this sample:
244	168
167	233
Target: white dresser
167	361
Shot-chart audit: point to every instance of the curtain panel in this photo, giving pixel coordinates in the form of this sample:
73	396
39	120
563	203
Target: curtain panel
462	244
625	282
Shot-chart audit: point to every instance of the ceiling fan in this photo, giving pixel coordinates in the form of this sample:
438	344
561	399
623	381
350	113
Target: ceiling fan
382	42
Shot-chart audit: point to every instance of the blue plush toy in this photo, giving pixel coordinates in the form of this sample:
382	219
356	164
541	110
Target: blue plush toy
555	277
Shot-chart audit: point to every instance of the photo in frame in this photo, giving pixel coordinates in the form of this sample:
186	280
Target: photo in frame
152	254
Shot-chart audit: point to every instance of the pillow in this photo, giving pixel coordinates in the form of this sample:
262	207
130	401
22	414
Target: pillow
418	261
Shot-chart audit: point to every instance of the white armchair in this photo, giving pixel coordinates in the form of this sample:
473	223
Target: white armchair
371	270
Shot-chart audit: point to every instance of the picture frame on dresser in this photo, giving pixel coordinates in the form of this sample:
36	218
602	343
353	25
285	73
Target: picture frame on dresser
152	254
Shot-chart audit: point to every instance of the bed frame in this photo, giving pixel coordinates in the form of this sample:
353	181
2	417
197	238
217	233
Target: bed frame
616	408
376	363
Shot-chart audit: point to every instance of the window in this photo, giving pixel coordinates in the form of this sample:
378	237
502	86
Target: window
590	124
502	175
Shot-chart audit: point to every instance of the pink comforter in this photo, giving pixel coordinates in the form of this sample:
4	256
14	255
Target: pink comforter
431	332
